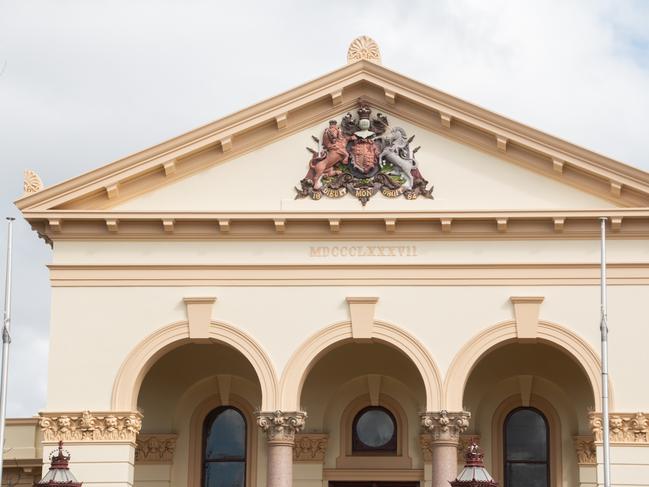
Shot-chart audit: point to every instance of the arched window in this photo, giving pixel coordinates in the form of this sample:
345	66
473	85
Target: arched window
224	448
526	449
374	431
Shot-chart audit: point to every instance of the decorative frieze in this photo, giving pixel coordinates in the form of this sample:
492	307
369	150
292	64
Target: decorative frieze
585	450
87	426
445	426
155	448
310	447
624	427
281	426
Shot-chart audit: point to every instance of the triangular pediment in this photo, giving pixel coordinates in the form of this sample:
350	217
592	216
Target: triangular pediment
460	177
253	160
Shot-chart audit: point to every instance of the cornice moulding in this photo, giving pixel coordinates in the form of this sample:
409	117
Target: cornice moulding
340	274
422	225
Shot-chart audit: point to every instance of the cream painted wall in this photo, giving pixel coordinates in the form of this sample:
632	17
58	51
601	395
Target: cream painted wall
292	252
102	325
464	178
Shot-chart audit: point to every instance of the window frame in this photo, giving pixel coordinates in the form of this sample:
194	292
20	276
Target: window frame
207	422
359	448
548	458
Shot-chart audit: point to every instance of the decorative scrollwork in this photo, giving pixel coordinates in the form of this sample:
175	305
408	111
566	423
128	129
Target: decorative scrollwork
310	447
31	183
155	448
624	427
445	426
585	450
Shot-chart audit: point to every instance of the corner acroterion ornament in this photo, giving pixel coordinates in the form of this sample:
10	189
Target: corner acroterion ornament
363	48
59	473
31	183
474	473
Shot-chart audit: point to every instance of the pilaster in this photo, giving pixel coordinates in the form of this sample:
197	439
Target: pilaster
101	443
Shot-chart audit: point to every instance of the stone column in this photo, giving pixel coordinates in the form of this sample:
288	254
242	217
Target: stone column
280	428
445	429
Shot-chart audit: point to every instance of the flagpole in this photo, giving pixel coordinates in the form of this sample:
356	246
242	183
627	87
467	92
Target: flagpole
6	340
604	333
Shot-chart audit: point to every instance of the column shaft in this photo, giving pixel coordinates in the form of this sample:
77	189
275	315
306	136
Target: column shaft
444	463
280	464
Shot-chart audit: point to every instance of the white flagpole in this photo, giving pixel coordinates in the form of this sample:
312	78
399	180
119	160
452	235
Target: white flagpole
6	340
604	333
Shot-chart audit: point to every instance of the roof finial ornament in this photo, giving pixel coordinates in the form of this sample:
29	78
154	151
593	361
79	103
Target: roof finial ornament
31	183
363	47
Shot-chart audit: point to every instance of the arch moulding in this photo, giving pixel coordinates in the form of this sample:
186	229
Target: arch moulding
140	360
504	333
303	360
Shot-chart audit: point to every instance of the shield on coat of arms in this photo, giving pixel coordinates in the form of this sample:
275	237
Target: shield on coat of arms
362	156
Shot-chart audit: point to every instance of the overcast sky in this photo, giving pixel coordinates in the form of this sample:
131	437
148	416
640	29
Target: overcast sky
86	82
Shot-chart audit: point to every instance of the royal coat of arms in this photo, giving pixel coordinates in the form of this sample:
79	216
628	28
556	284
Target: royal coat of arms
362	157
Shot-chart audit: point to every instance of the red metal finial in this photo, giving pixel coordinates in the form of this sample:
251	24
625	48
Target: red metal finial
474	473
59	473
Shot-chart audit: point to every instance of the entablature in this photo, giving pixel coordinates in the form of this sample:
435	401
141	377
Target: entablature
361	225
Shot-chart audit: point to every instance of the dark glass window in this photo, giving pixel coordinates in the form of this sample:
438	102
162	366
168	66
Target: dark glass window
224	448
374	431
526	443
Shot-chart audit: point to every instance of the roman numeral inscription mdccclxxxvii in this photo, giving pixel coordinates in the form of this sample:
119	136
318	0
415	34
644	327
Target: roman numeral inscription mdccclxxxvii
360	251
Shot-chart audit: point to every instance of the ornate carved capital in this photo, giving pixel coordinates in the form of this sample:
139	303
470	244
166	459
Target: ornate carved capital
87	426
281	426
624	427
445	426
310	447
155	448
585	450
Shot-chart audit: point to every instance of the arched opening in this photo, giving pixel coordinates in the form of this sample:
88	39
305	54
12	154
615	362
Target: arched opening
366	396
528	402
203	395
303	360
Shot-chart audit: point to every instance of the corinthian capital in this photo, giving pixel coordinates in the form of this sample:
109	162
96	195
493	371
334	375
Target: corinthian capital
445	426
280	425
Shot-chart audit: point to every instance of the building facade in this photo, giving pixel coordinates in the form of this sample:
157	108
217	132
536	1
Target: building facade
230	309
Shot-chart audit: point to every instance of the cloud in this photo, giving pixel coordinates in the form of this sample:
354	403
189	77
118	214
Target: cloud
88	82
